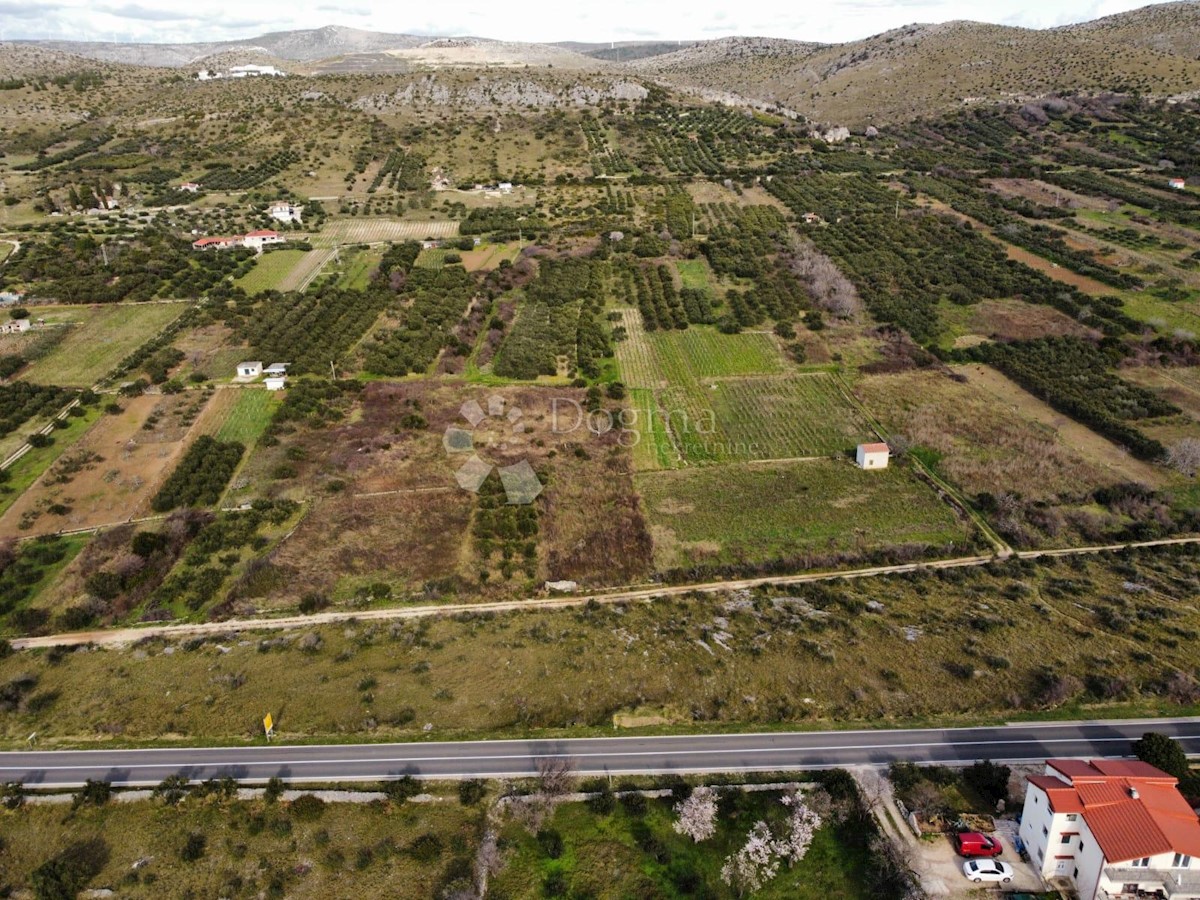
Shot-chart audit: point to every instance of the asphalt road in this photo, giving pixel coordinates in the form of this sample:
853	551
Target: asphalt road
592	756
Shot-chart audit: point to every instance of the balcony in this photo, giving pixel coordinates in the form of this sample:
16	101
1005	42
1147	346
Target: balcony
1172	883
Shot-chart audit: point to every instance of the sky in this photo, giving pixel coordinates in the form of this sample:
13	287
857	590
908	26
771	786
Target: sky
166	21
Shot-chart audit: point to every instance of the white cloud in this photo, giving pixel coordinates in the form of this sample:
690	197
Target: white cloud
539	20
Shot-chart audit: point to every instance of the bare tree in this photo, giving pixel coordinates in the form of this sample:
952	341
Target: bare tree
829	288
556	774
1185	456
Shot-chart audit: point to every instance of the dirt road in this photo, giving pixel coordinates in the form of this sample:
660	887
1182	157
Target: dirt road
124	636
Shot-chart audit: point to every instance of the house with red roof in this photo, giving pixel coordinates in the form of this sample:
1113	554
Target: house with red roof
1112	829
217	243
256	240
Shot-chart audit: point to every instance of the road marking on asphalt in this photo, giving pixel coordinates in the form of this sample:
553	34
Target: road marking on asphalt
608	755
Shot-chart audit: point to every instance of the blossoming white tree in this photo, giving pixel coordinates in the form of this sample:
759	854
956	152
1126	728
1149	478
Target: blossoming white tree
758	861
755	864
698	815
803	824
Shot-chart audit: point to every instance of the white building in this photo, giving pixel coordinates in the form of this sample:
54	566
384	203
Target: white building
190	186
275	382
15	326
1178	184
1113	829
11	297
505	187
252	71
247	371
872	456
276	369
256	240
283	211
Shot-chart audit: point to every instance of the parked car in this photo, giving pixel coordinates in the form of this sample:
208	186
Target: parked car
972	844
988	870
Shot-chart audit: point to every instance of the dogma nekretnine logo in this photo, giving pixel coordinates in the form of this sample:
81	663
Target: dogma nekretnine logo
498	428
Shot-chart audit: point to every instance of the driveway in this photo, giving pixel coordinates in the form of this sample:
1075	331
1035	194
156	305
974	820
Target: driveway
933	860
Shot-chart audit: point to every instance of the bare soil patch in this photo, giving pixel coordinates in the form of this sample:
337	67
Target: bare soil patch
1057	272
113	470
1045	194
1014	320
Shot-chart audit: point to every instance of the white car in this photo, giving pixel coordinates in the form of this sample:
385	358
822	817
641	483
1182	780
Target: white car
988	870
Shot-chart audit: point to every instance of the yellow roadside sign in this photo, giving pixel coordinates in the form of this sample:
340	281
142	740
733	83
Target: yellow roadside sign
268	723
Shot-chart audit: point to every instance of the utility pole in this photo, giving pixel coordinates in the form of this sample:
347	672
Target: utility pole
332	371
104	253
897	207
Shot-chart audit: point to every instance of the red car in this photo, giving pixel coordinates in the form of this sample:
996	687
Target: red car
972	844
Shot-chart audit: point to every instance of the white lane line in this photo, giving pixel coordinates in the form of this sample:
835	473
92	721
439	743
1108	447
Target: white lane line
536	756
999	730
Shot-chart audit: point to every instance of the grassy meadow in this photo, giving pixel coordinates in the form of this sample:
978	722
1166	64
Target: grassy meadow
270	271
95	346
715	515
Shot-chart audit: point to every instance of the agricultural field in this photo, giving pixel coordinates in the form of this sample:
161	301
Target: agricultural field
220	845
241	415
306	270
980	442
706	518
209	350
373	231
357	268
1005	393
270	271
94	347
486	257
112	471
26	470
431	259
723	398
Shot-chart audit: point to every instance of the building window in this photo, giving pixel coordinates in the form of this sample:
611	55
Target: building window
1041	854
1076	875
1045	831
1071	817
1066	838
1143	863
1181	861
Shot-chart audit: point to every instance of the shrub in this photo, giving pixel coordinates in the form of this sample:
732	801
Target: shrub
989	780
471	792
313	602
551	842
399	790
64	875
193	847
307	808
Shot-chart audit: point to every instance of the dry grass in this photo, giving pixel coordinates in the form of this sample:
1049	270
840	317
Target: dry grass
984	445
1090	446
250	844
819	657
